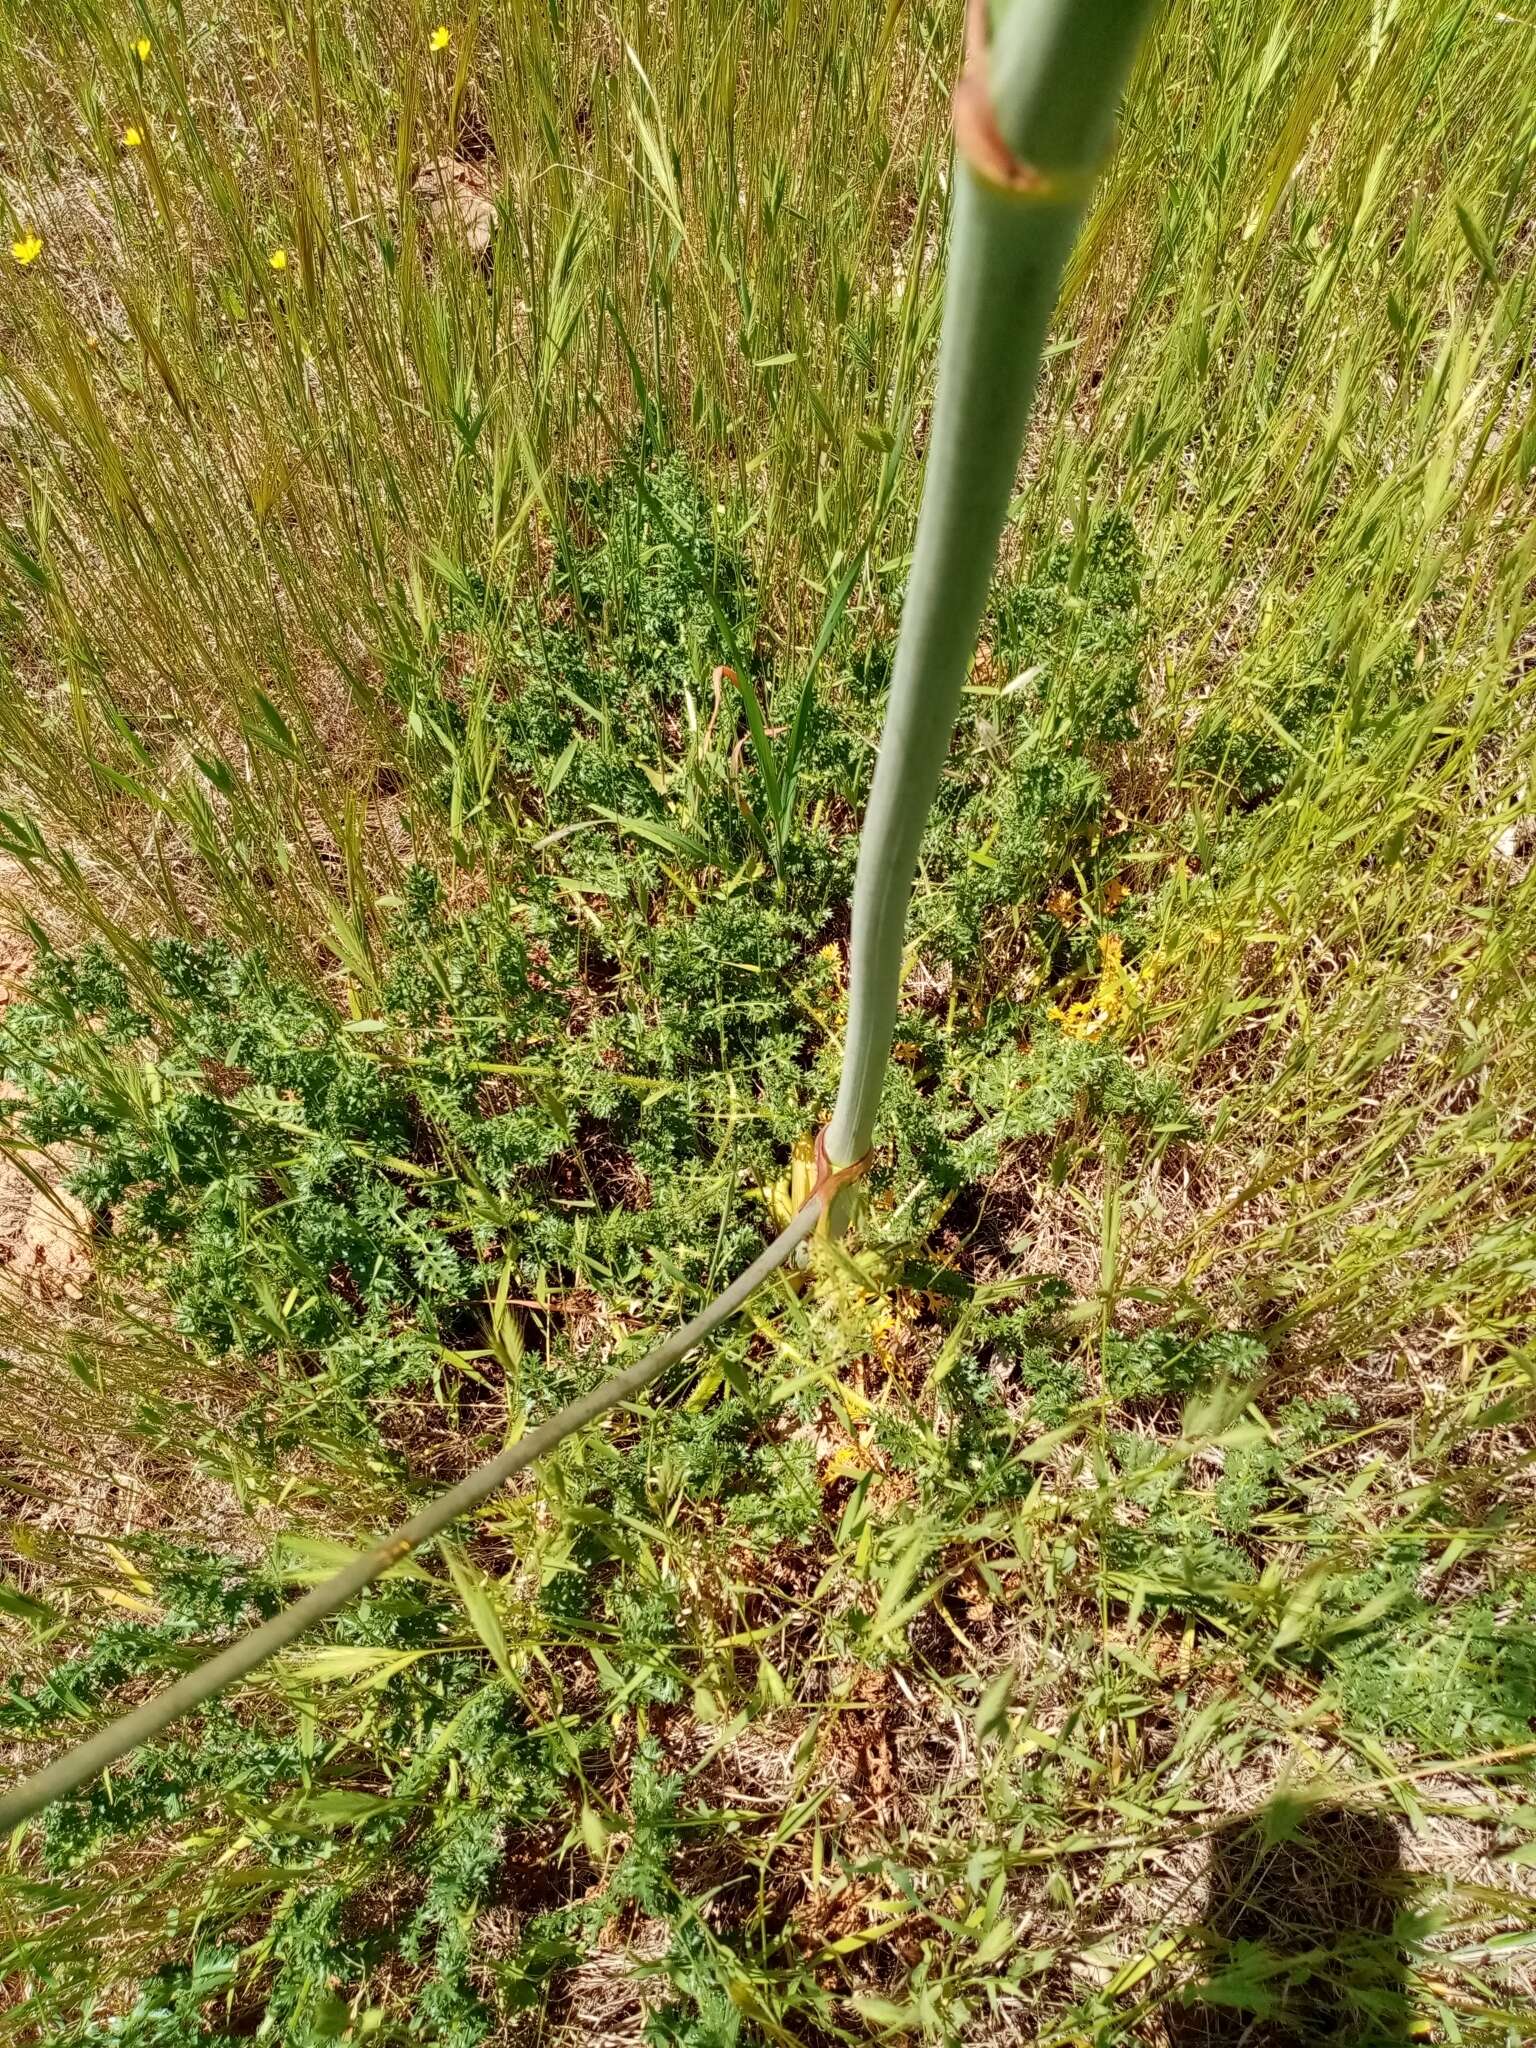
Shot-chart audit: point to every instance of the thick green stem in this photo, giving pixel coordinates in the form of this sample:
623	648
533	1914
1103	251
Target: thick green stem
1056	70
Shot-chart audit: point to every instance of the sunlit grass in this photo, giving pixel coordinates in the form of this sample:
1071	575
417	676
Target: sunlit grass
268	533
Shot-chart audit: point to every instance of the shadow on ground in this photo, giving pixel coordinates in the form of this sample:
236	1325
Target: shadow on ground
1301	1914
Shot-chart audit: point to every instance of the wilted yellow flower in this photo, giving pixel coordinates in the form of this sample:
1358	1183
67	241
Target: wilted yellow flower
440	36
1115	893
279	259
28	249
143	46
132	139
789	1193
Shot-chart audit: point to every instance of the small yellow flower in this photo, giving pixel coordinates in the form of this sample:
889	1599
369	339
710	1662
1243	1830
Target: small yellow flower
1079	1020
847	1461
28	249
279	259
142	48
132	139
440	36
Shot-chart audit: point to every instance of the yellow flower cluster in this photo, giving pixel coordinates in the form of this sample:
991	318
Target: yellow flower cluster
1120	990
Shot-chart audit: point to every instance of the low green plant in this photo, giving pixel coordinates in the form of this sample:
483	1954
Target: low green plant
1157	1363
1460	1682
169	2010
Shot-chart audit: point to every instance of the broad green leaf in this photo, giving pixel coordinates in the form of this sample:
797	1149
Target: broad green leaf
992	1708
348	1660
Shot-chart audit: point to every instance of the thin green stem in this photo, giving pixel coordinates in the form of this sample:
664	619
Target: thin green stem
71	1770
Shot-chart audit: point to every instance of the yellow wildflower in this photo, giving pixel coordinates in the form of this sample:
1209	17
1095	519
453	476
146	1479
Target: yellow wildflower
143	47
1079	1020
1093	1016
1115	893
28	249
132	139
440	36
846	1462
279	259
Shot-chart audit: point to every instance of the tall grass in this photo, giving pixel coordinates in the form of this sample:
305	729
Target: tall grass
385	419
